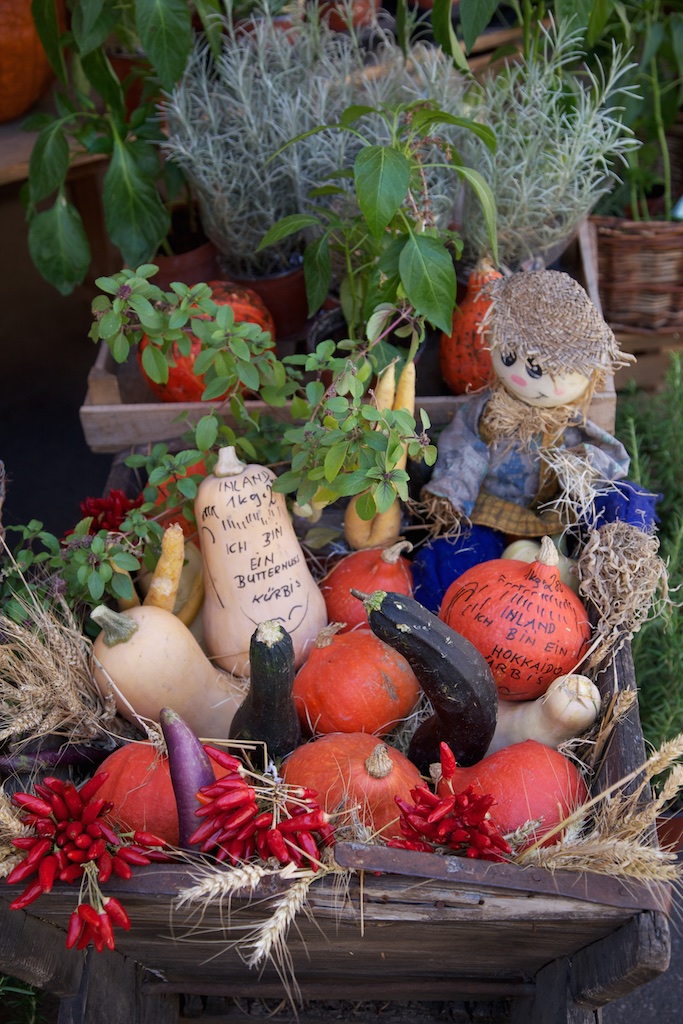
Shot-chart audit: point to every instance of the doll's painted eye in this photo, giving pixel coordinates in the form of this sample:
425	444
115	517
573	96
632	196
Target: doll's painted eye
509	359
533	369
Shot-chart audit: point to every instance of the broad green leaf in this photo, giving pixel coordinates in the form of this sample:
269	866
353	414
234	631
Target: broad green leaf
248	374
109	325
92	23
188	488
676	21
154	364
49	162
287	226
599	17
474	17
488	204
444	33
428	277
210	12
239	348
351	483
136	218
206	433
59	246
382	177
286	482
44	14
95	585
122	586
318	273
354	113
124	560
385	495
425	118
334	460
576	13
165	30
365	506
100	74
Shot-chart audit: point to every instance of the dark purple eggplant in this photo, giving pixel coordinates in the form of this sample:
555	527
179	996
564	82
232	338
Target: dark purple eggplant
190	768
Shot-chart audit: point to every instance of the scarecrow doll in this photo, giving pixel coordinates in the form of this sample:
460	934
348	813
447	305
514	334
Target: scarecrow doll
494	480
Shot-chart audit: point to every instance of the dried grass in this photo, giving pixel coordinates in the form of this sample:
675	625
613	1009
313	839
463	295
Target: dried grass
46	686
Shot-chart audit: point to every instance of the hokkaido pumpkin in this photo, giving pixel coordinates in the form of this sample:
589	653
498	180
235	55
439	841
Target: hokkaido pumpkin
464	360
368	570
353	770
354	682
25	71
140	787
530	782
183	384
528	624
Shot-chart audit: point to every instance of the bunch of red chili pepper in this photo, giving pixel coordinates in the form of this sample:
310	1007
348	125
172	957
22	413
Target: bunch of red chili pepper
109	512
456	822
234	826
70	840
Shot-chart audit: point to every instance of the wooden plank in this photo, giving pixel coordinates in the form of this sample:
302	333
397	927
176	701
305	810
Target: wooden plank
552	1002
34	952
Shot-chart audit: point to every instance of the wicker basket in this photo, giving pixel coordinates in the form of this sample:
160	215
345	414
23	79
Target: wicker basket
640	272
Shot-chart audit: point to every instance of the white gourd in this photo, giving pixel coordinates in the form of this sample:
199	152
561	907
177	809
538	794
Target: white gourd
568	708
254	567
528	551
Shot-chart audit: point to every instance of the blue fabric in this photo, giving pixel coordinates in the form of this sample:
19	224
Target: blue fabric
628	503
440	561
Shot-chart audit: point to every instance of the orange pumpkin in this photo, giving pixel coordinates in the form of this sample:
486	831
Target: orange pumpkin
353	770
25	71
183	384
529	625
353	682
366	570
464	360
139	786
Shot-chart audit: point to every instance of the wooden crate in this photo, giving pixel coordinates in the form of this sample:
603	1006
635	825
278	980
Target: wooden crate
553	947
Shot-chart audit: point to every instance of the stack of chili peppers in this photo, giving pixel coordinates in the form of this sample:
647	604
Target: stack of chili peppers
235	827
455	822
70	840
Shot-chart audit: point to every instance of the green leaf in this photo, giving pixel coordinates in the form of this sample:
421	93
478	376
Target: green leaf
576	13
351	483
354	113
206	432
136	218
109	325
248	374
318	273
444	33
154	364
44	14
122	586
488	204
92	23
428	277
210	12
239	348
100	74
382	177
165	30
287	226
426	118
286	482
59	246
385	495
598	20
366	507
334	460
124	560
49	162
474	17
95	585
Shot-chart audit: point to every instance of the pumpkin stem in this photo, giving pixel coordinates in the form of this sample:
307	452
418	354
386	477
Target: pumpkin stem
269	633
324	637
117	628
228	463
391	555
379	764
548	555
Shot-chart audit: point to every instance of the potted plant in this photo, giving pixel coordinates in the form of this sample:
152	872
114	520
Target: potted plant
94	115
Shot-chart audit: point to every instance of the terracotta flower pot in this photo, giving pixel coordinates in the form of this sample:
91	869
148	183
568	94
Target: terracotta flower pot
285	296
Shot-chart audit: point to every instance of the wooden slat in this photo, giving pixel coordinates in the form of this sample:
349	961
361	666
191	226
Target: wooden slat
33	951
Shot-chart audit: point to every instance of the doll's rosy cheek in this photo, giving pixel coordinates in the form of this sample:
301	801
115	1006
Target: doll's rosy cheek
519	381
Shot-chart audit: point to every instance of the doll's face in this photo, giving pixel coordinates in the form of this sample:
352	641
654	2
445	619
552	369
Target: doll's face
526	380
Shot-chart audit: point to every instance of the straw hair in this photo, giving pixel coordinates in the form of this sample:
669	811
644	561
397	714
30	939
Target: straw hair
547	316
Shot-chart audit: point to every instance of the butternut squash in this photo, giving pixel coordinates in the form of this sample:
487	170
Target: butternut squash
254	568
150	660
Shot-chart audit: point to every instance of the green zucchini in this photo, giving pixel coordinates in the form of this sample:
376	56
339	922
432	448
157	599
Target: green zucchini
452	673
268	712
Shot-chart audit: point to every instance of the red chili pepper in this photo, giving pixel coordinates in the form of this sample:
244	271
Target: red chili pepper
73	829
25	842
310	848
71	873
222	758
47	872
106	931
117	913
53	783
83	842
33	804
45	828
96	849
91	811
262	845
227	802
326	833
59	808
42	847
30	893
72	799
92	786
210	827
109	834
89	915
77	856
86	936
264	820
43	791
148	839
423	795
443	808
277	845
74	930
448	762
105	867
235	850
241	816
21	872
304	822
62	859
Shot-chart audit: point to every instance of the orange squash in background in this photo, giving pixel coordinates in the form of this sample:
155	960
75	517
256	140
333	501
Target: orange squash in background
25	71
465	362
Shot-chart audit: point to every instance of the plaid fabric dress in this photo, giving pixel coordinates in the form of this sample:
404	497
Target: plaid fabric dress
502	482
